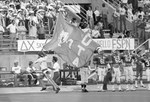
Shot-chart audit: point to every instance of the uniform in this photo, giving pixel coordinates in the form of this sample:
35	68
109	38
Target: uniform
84	77
116	59
147	66
139	70
101	69
109	72
128	60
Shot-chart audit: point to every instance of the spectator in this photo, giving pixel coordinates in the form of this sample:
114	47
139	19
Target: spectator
105	16
74	22
95	31
90	17
32	25
32	74
12	28
141	12
17	70
122	17
40	25
116	16
97	14
141	28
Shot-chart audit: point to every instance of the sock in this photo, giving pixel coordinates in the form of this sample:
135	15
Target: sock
141	82
127	86
82	86
131	86
101	87
119	87
148	86
135	82
113	87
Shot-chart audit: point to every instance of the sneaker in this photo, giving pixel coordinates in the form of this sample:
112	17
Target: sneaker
57	90
101	90
113	90
143	86
127	89
133	89
43	89
136	86
148	89
86	90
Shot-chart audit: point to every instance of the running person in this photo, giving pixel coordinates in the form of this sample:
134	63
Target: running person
42	60
116	58
128	59
101	70
139	69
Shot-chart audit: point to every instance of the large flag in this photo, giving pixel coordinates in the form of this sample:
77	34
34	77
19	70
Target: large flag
71	44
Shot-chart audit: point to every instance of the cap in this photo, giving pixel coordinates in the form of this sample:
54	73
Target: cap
31	12
40	10
16	61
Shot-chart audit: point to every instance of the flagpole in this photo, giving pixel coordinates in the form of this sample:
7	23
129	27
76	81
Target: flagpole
48	37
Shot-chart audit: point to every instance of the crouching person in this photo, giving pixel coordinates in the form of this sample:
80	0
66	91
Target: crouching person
17	70
31	74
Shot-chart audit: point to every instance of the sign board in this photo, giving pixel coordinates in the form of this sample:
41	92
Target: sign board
115	43
106	44
31	45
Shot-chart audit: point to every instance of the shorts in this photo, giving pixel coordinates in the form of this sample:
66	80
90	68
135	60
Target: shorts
84	75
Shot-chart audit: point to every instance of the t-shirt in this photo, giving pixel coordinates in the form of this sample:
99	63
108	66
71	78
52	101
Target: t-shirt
30	69
12	28
17	69
122	11
56	67
43	62
97	13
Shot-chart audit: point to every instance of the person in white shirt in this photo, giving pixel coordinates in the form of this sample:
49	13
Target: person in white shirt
42	60
90	18
32	74
16	68
97	14
13	32
122	17
56	67
116	16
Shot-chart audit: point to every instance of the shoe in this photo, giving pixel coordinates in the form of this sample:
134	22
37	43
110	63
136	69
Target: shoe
43	89
143	86
133	89
136	86
57	90
101	91
148	89
113	90
86	90
127	89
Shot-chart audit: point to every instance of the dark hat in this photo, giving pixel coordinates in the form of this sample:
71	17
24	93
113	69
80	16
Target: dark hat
55	59
30	62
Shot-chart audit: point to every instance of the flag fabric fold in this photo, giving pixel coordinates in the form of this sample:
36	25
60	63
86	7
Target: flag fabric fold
71	43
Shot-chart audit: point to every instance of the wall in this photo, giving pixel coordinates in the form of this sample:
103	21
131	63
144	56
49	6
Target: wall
8	60
76	1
